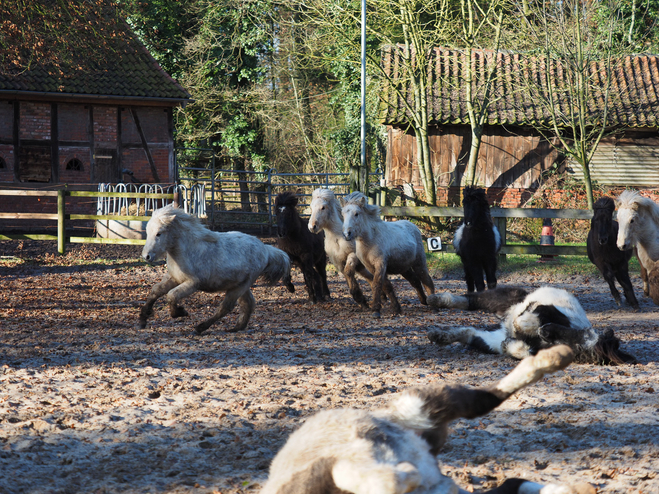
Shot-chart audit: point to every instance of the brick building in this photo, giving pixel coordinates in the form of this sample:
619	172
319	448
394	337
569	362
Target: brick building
94	108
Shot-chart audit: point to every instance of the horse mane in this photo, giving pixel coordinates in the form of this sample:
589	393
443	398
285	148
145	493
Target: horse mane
187	225
605	203
286	199
631	199
477	195
359	199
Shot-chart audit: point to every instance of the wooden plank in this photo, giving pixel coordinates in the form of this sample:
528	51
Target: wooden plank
539	250
38	193
107	217
28	216
402	211
97	240
28	236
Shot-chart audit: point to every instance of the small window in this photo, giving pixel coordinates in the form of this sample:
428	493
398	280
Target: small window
3	163
74	165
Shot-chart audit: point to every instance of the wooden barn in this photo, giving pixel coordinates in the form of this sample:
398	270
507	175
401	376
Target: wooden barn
81	102
513	155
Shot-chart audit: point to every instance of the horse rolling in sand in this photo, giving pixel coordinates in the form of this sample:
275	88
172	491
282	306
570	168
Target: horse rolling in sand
201	260
638	226
386	248
326	217
394	450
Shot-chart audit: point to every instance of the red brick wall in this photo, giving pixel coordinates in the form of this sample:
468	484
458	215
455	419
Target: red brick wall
34	120
105	126
67	154
73	122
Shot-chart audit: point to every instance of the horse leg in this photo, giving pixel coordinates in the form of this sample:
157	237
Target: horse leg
421	270
246	304
607	273
487	340
491	274
469	278
321	267
644	277
158	290
414	280
379	277
622	275
311	279
227	305
352	265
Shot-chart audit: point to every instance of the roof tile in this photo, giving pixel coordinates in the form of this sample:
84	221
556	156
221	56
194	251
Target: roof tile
516	98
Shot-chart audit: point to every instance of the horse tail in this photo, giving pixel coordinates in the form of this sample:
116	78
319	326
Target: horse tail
278	266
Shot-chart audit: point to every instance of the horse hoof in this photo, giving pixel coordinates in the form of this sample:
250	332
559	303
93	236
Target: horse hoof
376	314
141	325
200	329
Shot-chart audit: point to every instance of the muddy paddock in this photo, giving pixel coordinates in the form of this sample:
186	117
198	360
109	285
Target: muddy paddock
89	403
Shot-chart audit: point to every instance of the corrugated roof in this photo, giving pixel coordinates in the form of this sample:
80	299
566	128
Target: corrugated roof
78	48
514	99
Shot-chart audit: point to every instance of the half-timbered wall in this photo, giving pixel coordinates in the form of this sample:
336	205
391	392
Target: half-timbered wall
44	142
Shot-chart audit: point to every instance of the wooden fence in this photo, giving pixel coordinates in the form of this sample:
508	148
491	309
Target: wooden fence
62	217
500	216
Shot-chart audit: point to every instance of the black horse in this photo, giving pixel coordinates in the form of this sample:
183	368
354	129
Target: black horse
305	249
612	262
477	241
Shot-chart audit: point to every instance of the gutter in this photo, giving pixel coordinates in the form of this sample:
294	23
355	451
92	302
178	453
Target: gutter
50	95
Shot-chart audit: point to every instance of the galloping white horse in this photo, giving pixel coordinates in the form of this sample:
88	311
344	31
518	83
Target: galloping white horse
638	220
386	248
326	216
199	259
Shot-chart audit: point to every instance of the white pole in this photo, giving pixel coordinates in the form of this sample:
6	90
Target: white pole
363	109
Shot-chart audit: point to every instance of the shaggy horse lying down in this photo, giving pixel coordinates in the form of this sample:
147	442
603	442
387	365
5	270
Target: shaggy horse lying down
393	450
530	321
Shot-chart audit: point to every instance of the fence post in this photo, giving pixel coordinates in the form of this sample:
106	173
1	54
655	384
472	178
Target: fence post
501	224
61	224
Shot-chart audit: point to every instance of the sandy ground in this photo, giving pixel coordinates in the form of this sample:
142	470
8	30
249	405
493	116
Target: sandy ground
89	403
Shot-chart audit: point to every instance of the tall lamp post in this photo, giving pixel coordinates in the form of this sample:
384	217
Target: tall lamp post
363	172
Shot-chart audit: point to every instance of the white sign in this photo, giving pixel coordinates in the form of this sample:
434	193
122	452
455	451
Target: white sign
434	244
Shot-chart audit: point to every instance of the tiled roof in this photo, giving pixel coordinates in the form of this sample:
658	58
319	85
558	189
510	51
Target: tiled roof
633	101
102	59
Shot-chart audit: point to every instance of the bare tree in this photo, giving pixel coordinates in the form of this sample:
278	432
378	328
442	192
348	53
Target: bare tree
572	78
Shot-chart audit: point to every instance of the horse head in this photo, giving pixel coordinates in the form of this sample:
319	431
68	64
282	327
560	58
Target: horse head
322	208
628	219
158	233
602	221
475	206
353	215
287	218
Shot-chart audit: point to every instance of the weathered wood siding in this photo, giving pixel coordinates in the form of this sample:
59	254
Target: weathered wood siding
514	158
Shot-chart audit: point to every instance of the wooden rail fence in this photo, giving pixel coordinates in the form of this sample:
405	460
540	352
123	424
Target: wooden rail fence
500	216
62	217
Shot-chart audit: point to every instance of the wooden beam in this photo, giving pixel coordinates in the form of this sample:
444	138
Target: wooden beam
145	145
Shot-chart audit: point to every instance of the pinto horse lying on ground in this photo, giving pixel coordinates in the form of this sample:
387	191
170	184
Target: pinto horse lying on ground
530	321
385	247
612	262
306	249
199	259
638	220
477	241
393	450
